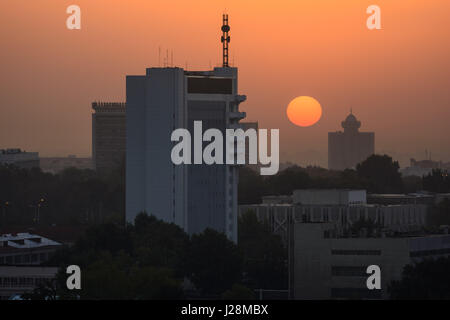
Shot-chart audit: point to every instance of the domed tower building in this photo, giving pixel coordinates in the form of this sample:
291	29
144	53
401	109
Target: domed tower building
349	147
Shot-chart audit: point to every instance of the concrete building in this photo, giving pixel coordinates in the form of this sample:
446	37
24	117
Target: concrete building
422	168
108	135
192	196
329	197
245	126
393	218
17	280
25	249
348	148
19	158
399	198
329	267
343	208
276	199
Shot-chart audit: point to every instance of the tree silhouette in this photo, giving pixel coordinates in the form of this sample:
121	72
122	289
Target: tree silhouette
380	174
428	279
214	263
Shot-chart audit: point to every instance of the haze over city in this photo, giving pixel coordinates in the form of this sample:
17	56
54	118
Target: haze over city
396	79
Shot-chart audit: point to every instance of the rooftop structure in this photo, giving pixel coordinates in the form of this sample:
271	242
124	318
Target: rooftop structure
25	249
19	158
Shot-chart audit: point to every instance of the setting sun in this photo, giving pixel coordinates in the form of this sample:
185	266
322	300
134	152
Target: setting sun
304	111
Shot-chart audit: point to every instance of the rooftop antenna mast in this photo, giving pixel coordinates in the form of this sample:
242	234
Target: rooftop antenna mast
225	40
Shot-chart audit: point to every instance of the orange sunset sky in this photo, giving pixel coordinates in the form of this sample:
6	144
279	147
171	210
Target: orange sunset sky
397	80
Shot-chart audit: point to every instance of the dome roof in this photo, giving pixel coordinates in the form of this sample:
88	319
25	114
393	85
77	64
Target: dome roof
351	118
351	123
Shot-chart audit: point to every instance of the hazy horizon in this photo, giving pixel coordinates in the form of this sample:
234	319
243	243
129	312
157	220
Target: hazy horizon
396	79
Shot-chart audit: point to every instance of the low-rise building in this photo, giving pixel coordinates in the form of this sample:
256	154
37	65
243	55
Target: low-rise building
399	198
326	266
395	218
19	158
343	208
26	249
329	197
17	280
423	167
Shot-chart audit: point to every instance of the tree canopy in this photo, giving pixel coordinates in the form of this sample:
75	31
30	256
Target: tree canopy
426	280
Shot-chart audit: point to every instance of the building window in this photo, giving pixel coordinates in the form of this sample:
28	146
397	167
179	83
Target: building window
210	85
348	271
356	252
432	252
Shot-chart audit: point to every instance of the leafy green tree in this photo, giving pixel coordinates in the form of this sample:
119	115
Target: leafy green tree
133	262
106	237
349	179
107	278
47	290
437	181
214	263
155	283
120	277
412	184
287	181
428	279
160	244
251	186
238	292
265	257
440	214
73	196
380	174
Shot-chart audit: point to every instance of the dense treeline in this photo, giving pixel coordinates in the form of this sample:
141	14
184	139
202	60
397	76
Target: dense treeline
30	196
153	259
77	197
428	279
377	174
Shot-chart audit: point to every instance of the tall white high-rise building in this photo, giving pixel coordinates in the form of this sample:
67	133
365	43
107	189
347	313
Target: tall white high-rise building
196	196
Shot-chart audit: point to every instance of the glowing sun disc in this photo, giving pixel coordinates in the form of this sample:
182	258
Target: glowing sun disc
304	111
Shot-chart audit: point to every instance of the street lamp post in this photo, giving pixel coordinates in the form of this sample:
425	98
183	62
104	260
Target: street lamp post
41	201
37	208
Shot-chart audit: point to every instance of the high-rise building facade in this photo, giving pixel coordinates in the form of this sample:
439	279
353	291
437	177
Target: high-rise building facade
108	135
195	196
348	148
252	126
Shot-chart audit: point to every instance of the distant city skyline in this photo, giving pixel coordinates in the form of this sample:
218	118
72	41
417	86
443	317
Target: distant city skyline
395	79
